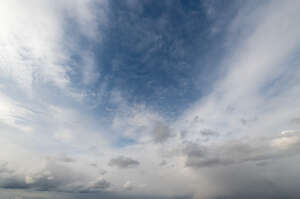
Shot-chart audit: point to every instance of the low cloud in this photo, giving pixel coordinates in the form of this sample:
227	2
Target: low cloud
128	186
161	132
209	133
163	163
65	158
99	184
52	177
123	162
238	151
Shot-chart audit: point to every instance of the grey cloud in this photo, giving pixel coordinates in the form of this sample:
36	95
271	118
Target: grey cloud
90	187
4	168
246	121
63	158
258	196
113	195
13	182
296	120
123	162
54	177
262	163
236	152
194	150
43	181
128	186
207	162
9	179
279	180
197	120
19	194
209	133
183	134
66	159
163	163
161	132
93	164
100	184
102	172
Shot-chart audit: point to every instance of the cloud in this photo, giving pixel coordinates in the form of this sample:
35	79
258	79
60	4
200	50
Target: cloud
123	162
65	158
9	178
99	184
238	152
128	186
296	120
209	133
51	177
202	87
163	163
161	132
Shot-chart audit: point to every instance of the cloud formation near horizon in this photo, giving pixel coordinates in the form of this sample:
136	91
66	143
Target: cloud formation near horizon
149	99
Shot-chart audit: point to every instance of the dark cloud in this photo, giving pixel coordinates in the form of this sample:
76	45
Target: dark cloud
183	134
93	164
194	150
296	120
236	152
112	195
161	132
247	121
100	184
102	172
66	159
209	133
123	162
54	178
19	194
258	196
13	182
4	168
262	163
244	121
277	180
163	163
9	179
128	186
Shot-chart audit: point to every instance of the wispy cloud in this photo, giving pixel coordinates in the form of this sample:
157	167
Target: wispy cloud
129	98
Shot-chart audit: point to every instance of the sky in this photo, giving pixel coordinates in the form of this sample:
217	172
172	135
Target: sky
148	99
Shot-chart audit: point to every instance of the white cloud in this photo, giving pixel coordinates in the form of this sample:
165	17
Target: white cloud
255	97
14	114
37	46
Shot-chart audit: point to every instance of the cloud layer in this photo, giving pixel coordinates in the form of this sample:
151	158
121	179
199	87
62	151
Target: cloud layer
147	99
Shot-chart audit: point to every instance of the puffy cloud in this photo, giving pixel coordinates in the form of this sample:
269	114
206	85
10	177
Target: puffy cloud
123	162
51	177
99	184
